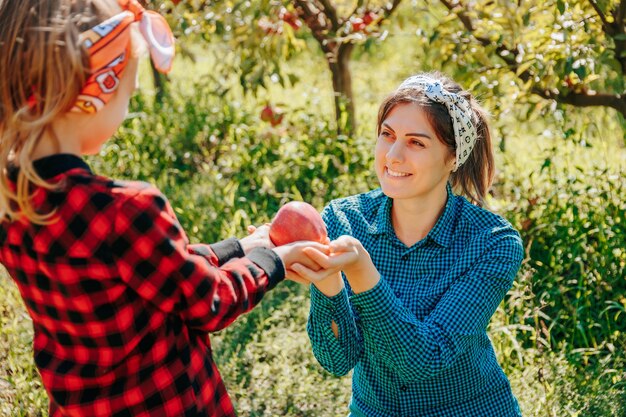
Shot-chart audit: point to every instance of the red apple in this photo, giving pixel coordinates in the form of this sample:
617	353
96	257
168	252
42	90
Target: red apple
277	119
290	18
357	24
272	115
267	114
369	17
295	221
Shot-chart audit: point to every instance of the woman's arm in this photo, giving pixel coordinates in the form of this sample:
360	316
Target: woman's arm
421	349
335	338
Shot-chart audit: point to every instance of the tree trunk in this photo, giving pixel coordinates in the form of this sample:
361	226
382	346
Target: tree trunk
342	86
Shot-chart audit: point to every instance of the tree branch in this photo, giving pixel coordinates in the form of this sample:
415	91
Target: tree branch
617	28
311	17
508	55
601	15
620	14
465	19
388	11
331	13
614	101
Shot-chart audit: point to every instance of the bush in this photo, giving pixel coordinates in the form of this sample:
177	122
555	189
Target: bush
226	169
574	229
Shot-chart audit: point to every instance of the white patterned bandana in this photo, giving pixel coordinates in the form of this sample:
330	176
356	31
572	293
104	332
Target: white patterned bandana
459	109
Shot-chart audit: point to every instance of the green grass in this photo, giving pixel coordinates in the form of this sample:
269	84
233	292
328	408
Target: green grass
21	392
269	370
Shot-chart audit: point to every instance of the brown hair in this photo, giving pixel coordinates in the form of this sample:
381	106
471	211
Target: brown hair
41	62
475	176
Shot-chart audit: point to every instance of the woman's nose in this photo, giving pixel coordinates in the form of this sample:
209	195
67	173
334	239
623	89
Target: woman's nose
395	152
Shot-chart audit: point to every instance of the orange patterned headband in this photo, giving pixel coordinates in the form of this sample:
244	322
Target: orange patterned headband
108	47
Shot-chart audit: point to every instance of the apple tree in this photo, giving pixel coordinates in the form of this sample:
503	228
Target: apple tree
264	34
572	52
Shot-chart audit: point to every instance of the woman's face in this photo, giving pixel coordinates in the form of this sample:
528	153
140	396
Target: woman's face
411	162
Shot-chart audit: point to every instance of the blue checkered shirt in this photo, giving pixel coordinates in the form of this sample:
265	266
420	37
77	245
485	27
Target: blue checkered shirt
417	341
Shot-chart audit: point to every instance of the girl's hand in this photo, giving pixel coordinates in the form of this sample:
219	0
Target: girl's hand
258	237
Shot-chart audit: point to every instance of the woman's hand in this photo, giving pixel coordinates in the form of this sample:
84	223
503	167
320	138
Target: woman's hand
293	253
258	237
346	254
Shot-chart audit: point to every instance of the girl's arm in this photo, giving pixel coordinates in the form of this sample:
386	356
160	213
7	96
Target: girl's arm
223	251
154	259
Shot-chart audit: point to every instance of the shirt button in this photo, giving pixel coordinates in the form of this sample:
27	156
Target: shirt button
405	257
404	388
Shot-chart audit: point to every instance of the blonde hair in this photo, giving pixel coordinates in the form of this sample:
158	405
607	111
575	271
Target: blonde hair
474	178
42	63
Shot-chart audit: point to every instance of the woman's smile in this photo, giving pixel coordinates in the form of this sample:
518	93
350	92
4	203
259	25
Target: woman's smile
396	174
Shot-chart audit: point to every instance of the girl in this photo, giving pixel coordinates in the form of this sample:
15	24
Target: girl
424	269
121	303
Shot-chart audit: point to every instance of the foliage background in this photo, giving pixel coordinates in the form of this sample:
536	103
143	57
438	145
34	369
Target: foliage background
560	333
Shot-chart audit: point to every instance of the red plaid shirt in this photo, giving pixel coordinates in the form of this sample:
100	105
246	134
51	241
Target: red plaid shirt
121	303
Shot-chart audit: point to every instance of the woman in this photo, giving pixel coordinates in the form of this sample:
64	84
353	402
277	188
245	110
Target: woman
424	269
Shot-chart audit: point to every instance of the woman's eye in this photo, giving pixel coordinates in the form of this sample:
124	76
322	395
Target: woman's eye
417	143
385	134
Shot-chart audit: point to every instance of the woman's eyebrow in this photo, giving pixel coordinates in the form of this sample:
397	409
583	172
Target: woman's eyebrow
419	135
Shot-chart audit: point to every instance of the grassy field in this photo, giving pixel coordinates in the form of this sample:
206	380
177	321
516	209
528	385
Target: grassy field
222	168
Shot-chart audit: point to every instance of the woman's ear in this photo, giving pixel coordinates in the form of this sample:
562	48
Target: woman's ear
451	160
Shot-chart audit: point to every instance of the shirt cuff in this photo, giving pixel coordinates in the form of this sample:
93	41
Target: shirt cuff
376	304
327	306
271	263
227	250
326	309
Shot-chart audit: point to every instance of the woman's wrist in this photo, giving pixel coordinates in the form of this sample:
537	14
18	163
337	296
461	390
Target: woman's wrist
363	281
330	286
363	275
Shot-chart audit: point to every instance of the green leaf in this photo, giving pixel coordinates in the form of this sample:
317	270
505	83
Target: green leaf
434	36
560	4
581	71
524	66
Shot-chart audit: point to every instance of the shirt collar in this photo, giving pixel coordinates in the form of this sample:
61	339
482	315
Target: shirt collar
50	166
382	222
441	233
